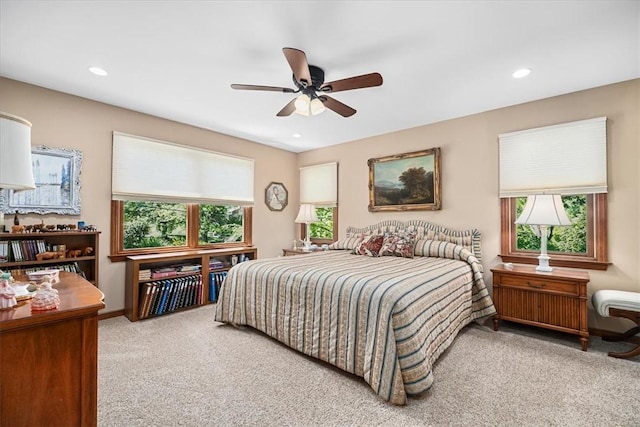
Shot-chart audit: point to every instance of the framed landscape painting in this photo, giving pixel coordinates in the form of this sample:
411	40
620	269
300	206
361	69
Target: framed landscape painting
56	172
404	182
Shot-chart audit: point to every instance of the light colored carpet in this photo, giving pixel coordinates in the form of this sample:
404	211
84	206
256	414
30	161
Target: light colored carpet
185	369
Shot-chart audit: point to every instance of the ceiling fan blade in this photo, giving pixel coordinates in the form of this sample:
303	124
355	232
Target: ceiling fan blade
288	109
298	63
337	106
267	88
357	82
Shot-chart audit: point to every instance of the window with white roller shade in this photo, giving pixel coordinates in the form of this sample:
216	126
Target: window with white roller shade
569	158
319	185
147	169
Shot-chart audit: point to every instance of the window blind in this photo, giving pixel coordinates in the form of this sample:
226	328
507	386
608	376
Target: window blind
152	170
569	158
319	184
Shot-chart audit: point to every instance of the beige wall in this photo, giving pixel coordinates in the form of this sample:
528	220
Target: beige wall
470	172
61	120
469	169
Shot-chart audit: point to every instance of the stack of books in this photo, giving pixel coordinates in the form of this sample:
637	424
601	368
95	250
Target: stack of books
144	274
215	264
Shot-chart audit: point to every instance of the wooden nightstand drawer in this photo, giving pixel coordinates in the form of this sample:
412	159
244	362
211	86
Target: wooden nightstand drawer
540	284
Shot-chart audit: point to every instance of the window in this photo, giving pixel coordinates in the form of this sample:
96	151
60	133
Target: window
583	245
154	227
570	160
319	187
168	197
326	229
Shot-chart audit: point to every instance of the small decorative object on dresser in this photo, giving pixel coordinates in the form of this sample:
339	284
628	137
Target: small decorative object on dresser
554	300
7	293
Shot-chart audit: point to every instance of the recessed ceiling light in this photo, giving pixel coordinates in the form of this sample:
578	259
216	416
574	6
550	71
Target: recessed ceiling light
98	71
522	72
296	135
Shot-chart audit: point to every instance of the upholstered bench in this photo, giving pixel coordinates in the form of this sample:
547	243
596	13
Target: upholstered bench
625	304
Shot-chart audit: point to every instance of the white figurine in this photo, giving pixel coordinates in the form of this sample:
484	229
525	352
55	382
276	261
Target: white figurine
7	293
46	298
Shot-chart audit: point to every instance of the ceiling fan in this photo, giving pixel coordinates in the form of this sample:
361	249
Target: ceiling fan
309	81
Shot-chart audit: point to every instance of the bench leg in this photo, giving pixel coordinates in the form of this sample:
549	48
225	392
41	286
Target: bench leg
634	316
623	336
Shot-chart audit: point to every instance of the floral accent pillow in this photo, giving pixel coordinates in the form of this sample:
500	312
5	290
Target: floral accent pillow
370	245
398	244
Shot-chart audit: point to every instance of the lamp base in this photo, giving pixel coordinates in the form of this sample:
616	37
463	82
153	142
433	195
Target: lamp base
543	264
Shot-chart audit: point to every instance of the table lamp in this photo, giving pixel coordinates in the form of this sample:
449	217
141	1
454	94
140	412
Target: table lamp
307	215
541	212
16	171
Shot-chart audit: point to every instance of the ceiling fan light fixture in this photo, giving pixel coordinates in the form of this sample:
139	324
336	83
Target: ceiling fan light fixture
316	106
302	105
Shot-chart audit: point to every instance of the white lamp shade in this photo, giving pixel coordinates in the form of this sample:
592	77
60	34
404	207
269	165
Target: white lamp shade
544	209
307	214
16	171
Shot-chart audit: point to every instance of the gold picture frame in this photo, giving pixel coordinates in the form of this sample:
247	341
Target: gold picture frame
405	182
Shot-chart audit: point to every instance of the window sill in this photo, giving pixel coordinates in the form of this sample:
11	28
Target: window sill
558	261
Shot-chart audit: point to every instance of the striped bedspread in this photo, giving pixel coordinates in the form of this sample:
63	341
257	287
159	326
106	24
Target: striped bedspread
384	319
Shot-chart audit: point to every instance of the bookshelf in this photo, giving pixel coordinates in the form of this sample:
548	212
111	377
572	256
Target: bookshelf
160	284
18	252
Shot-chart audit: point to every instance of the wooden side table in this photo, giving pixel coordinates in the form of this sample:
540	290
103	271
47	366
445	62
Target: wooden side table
290	252
555	300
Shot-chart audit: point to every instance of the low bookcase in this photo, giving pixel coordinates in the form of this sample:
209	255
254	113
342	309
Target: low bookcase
160	284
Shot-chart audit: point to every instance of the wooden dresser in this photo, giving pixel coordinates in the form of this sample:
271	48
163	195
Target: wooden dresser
49	360
555	300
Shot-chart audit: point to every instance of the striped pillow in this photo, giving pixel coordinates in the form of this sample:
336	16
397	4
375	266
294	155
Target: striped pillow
440	249
349	242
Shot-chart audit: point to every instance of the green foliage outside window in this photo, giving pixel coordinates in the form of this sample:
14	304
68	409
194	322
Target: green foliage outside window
323	229
570	239
220	224
154	224
158	224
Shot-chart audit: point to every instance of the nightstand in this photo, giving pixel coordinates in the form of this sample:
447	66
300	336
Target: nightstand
290	252
555	300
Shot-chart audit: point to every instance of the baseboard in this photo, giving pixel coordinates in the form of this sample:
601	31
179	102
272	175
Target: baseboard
111	314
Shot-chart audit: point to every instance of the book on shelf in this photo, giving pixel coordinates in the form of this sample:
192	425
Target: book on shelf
145	296
215	264
187	268
215	282
4	250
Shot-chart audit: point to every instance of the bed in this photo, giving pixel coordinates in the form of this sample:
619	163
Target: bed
383	318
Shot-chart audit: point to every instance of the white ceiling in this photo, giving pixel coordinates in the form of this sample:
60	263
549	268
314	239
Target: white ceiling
439	59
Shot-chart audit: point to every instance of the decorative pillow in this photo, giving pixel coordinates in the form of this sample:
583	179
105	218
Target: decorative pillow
398	244
349	242
462	240
370	245
439	248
